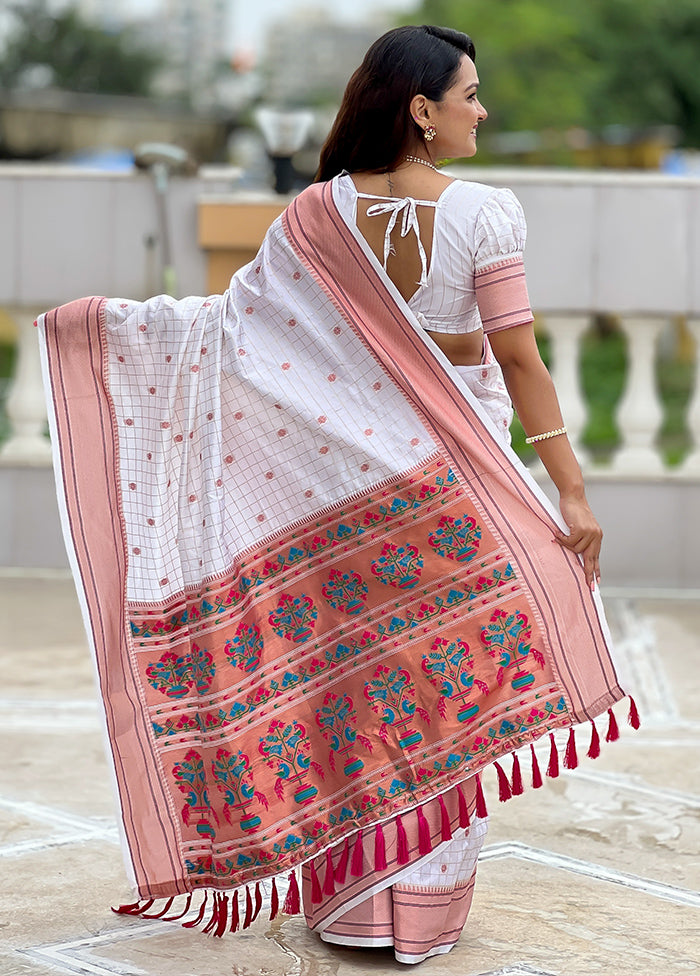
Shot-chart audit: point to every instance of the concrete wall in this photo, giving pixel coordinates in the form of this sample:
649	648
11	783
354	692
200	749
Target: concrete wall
607	241
598	242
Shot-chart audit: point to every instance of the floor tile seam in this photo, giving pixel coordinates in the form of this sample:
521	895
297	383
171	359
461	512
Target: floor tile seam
655	742
599	872
626	782
54	815
514	969
54	703
637	653
25	848
66	963
22	725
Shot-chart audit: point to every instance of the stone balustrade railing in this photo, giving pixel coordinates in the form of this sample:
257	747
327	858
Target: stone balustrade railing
626	244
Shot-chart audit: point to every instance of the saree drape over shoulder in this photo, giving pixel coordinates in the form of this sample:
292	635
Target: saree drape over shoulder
319	590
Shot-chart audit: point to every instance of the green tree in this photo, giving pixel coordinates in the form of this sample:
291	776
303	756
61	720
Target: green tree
72	54
649	50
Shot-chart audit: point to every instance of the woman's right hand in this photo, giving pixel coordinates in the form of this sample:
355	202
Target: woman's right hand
585	534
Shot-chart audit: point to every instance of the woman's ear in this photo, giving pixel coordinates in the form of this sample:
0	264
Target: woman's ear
420	109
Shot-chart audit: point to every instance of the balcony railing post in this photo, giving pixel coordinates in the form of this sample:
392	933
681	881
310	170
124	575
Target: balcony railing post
639	413
26	406
691	465
565	333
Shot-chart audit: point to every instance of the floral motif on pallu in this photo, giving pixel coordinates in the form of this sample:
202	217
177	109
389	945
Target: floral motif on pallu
178	675
346	592
245	648
191	778
234	778
449	665
456	538
508	639
286	750
294	617
337	718
333	653
398	566
391	694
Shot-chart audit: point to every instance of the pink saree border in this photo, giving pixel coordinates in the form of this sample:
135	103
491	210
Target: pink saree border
86	448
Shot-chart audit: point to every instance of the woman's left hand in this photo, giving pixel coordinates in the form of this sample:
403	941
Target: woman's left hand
585	535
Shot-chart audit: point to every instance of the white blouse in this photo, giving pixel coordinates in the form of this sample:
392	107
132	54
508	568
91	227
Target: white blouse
478	239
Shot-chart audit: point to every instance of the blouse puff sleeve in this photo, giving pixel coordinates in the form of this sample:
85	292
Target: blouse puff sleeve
499	271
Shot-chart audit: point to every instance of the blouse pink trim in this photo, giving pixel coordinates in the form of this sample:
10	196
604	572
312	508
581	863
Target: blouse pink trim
501	293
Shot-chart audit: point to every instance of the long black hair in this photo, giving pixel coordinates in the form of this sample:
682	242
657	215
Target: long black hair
373	128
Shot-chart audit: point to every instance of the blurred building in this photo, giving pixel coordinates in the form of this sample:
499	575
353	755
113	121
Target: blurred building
309	58
194	38
191	35
107	14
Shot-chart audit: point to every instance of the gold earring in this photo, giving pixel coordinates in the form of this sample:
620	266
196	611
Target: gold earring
430	132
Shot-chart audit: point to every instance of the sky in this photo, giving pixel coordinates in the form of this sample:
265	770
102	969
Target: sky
250	18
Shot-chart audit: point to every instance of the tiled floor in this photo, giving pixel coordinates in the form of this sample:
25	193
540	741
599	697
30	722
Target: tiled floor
597	873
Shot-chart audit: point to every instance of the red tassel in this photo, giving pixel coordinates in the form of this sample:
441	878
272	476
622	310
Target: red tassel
504	792
517	781
196	921
248	908
445	825
553	767
292	902
328	885
223	918
356	862
258	901
633	717
594	747
316	893
234	912
126	909
379	849
274	901
342	865
425	843
613	733
463	809
402	855
214	920
136	909
185	910
570	757
481	810
536	774
163	911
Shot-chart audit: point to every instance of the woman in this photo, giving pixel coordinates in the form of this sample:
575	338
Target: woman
320	589
453	250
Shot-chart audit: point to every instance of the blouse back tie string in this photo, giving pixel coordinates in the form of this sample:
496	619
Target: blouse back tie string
406	206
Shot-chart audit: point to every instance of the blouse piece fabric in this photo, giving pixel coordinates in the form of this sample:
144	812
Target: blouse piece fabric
476	275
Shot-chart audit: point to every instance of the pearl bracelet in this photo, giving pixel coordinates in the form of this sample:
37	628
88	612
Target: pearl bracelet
545	436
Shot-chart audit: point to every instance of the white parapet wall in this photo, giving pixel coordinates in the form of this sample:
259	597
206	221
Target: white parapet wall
623	244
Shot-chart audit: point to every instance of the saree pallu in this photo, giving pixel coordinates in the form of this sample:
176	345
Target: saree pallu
319	590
